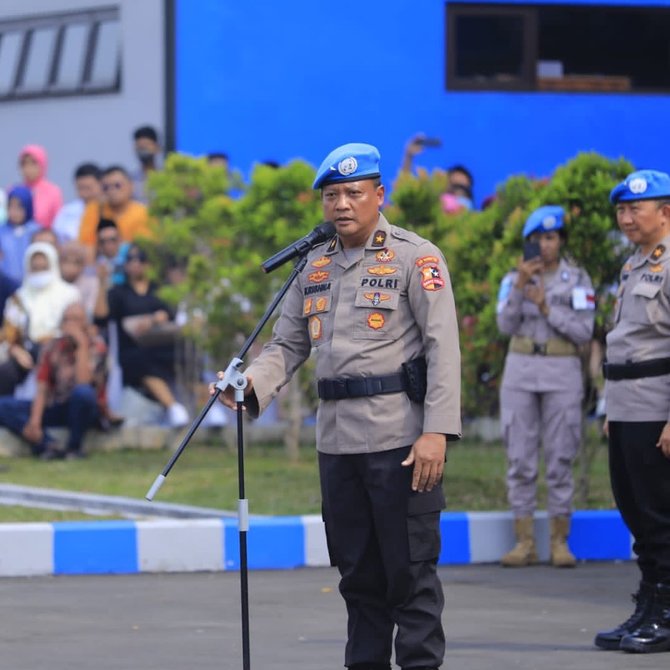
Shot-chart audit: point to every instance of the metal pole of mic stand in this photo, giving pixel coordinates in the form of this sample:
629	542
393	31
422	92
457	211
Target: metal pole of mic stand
234	378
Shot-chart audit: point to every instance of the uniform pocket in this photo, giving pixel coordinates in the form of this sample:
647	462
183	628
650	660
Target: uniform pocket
646	308
373	314
423	524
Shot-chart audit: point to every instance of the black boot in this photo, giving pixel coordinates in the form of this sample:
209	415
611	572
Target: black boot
610	639
653	634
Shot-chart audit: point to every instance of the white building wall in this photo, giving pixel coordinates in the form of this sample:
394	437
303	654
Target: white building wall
94	128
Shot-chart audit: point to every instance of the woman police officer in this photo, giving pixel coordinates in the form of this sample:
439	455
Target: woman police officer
547	306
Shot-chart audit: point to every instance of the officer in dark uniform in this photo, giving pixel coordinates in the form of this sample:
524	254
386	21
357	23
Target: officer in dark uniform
376	306
637	391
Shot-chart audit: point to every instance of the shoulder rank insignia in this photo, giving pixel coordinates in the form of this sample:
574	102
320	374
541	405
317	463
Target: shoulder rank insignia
385	255
656	268
658	252
379	239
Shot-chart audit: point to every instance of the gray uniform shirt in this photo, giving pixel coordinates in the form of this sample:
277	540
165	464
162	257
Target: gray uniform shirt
366	314
641	332
569	296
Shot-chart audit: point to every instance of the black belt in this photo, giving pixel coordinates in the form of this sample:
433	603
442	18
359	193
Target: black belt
358	387
653	368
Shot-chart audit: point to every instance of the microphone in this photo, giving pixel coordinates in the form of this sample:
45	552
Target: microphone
323	232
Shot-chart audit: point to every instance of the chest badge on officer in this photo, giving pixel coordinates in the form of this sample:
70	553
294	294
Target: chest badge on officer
321	262
376	297
385	256
376	320
318	276
382	270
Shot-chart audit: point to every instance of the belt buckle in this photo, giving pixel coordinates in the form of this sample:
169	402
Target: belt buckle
540	349
340	390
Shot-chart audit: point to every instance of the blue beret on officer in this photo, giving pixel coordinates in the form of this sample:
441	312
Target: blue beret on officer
642	185
350	162
544	219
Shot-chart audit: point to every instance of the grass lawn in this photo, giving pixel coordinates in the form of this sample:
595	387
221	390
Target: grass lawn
207	476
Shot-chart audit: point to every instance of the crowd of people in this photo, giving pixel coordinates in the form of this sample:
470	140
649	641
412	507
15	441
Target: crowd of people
77	302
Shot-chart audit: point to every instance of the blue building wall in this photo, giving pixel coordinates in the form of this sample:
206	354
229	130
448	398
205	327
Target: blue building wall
262	79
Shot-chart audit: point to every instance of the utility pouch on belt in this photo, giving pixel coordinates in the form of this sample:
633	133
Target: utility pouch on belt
416	376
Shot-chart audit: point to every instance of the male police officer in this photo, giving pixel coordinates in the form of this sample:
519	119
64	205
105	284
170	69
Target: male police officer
376	305
638	405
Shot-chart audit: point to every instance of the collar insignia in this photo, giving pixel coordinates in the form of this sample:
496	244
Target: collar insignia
379	239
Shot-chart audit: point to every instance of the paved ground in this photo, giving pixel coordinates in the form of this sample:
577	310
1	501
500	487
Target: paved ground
530	619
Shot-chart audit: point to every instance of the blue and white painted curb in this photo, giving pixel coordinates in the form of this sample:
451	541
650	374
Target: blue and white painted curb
274	543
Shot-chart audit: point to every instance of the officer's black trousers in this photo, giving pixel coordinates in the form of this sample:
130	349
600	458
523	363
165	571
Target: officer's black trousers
640	476
385	541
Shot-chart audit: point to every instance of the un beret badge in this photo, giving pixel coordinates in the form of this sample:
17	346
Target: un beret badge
347	166
637	185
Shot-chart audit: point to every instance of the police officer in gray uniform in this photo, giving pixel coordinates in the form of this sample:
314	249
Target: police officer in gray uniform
637	394
376	305
547	306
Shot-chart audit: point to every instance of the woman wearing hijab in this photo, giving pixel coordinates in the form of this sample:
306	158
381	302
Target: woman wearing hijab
17	232
47	197
33	314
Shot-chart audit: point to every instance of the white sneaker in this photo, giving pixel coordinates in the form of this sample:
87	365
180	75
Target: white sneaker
177	415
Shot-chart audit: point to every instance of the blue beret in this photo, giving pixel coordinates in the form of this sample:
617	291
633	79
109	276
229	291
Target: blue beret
544	219
350	162
642	185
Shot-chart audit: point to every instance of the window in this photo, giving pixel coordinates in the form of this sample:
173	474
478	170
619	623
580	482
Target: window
60	54
492	46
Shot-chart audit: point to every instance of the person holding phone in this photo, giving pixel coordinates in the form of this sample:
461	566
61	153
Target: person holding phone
547	306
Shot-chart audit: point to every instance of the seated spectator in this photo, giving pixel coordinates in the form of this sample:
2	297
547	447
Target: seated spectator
45	235
16	234
72	257
7	287
33	314
139	313
148	152
87	183
47	197
131	216
458	196
111	258
71	377
3	206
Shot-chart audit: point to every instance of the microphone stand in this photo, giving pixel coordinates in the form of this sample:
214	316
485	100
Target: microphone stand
234	378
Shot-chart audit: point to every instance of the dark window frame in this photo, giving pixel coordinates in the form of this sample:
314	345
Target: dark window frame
59	22
529	81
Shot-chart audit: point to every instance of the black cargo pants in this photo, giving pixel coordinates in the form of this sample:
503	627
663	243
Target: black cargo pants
385	541
640	476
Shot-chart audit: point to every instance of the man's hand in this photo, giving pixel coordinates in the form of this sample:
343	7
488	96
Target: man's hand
427	456
664	441
227	397
22	357
32	431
